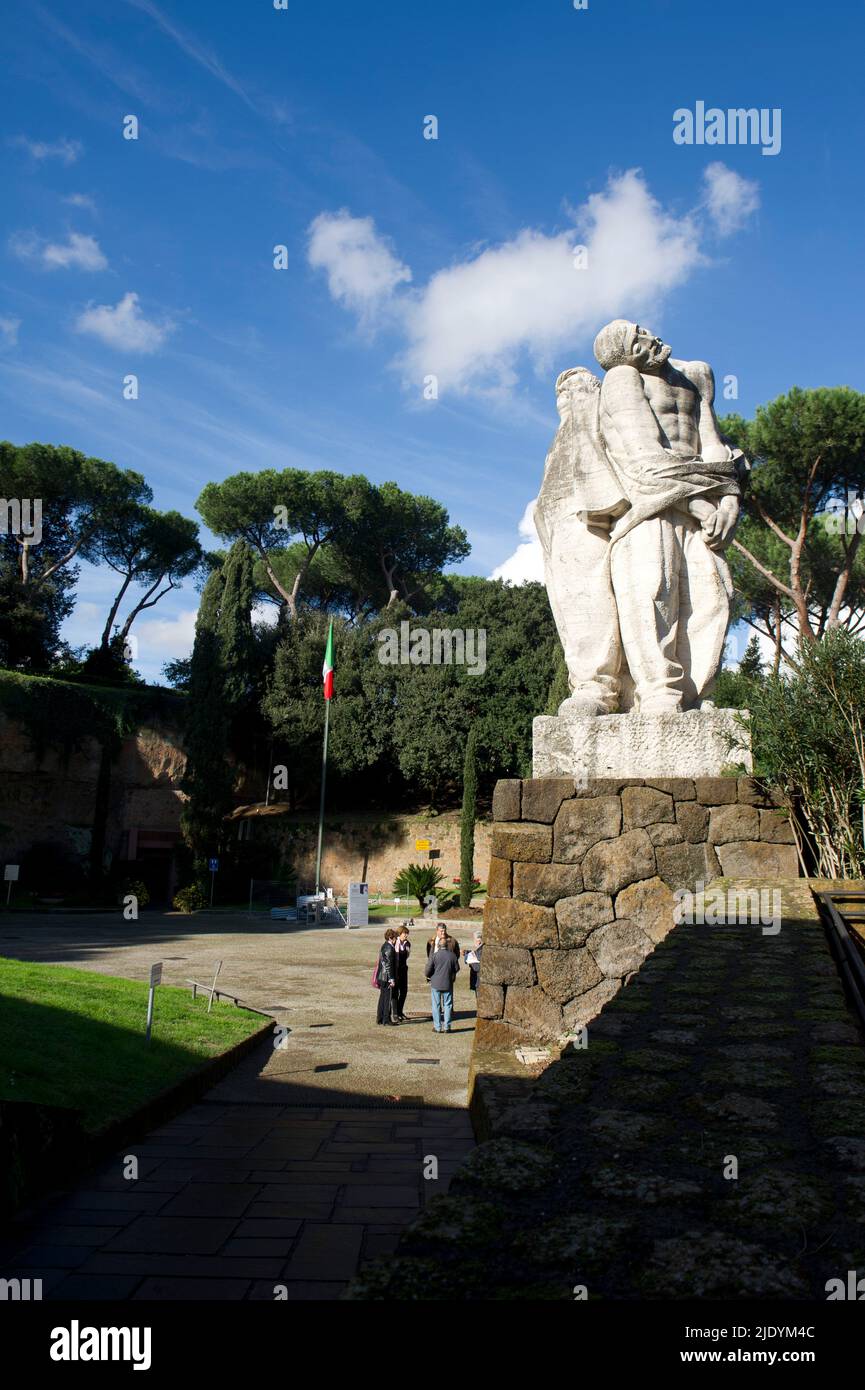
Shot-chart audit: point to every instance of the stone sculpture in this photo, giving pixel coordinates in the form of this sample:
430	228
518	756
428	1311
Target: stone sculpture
640	497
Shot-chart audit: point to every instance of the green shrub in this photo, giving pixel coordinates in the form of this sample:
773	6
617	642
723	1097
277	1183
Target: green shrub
417	881
137	889
809	740
191	899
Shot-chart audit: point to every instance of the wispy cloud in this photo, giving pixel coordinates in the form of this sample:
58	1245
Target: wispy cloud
83	201
78	252
202	55
9	331
67	151
107	59
123	326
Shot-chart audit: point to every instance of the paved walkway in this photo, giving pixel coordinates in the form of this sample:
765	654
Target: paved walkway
299	1167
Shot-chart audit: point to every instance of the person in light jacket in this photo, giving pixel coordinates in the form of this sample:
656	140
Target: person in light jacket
441	971
386	976
472	959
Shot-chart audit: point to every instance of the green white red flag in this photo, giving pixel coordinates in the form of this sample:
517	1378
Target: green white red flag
327	668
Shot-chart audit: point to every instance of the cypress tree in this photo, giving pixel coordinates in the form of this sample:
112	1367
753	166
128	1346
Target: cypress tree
207	780
236	639
467	821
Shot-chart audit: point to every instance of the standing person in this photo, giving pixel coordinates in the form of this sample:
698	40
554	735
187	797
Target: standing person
443	938
472	958
402	946
441	971
386	976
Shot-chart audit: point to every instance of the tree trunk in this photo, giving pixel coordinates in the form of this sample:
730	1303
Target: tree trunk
106	631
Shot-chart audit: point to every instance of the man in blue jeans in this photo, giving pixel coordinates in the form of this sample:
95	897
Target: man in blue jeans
442	965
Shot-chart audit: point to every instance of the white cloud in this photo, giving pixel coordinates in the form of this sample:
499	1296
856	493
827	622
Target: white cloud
9	331
68	151
362	271
123	326
476	321
163	639
730	200
82	252
526	564
81	200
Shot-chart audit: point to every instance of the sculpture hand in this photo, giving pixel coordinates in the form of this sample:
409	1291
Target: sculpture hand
718	530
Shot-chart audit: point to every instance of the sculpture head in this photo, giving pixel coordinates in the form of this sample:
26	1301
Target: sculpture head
575	382
622	343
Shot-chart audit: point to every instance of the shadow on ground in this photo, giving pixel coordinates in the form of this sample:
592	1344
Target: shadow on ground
706	1143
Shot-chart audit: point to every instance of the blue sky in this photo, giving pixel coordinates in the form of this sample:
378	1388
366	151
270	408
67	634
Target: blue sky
407	257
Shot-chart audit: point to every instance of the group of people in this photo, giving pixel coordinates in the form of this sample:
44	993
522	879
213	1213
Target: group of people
442	966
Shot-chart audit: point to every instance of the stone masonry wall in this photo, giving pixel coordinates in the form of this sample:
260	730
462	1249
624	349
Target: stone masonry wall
581	886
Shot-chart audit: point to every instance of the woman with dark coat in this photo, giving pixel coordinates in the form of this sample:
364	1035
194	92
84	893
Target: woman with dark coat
386	976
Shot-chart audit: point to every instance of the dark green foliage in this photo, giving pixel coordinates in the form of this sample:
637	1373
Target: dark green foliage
31	616
208	780
398	731
734	689
323	539
808	739
467	820
791	557
59	714
559	686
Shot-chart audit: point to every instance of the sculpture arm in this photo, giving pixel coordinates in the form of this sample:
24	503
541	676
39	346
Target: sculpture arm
712	447
630	429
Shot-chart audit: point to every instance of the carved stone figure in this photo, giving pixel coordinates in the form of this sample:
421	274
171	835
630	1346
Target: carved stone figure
640	497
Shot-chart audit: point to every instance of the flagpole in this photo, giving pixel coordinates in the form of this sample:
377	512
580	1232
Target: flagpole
321	804
327	677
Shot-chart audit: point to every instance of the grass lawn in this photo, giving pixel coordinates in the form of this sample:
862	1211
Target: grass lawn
76	1038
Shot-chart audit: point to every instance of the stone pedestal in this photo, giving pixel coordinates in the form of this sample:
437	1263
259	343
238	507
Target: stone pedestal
582	881
695	743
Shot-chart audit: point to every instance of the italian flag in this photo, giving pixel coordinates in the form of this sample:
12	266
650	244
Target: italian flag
327	668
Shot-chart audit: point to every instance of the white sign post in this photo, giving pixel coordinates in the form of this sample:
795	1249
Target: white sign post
11	876
155	979
213	986
358	905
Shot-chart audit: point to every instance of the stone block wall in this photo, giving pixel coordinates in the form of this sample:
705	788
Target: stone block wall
581	886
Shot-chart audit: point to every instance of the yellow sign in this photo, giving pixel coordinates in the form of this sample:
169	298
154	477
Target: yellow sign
421	846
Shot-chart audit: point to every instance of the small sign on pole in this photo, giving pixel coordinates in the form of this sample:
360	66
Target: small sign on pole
155	979
421	846
10	874
213	866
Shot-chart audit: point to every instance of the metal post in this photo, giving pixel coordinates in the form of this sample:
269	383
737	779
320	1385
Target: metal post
321	805
212	882
149	1014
